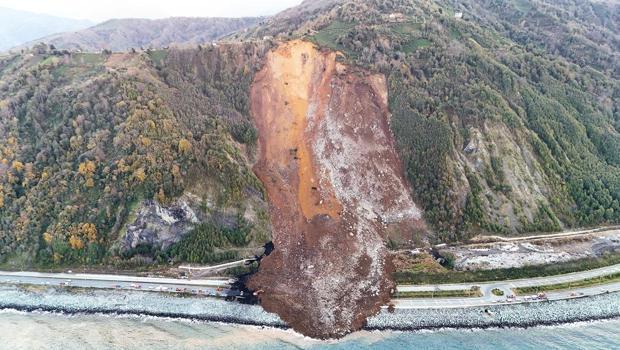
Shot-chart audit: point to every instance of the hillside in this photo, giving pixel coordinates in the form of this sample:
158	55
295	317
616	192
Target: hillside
111	156
19	27
135	33
507	117
336	129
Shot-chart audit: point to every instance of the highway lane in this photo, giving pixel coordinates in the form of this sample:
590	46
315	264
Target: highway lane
118	278
221	287
210	287
424	303
526	282
488	298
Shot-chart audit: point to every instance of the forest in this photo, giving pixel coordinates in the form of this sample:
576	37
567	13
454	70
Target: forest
86	142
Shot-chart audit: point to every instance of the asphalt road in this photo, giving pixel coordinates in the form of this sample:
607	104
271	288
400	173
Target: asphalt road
212	287
507	285
427	303
488	298
220	287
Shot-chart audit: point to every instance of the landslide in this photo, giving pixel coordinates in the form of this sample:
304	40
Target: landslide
335	189
506	116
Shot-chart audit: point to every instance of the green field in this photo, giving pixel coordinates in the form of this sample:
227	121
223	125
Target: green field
469	293
328	36
88	58
416	44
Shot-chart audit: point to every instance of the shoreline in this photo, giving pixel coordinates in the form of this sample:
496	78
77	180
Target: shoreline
113	303
225	321
120	313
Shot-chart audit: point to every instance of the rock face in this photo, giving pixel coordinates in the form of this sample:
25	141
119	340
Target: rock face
335	186
161	226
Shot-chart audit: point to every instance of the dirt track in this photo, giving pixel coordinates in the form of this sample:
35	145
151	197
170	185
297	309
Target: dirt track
335	187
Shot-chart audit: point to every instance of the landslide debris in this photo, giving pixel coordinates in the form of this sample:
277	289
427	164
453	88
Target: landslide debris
335	187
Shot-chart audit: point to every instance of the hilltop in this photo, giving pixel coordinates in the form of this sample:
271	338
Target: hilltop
135	33
19	27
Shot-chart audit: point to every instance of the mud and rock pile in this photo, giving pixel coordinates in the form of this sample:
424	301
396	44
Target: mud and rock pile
335	186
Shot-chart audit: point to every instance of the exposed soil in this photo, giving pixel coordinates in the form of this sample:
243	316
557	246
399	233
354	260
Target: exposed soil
335	186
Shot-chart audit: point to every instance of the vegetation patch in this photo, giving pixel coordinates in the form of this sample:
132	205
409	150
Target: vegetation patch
207	244
332	35
474	292
415	44
158	57
113	138
497	292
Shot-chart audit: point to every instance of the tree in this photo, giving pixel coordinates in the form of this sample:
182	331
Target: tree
184	146
87	168
17	166
139	175
89	231
161	196
47	237
75	242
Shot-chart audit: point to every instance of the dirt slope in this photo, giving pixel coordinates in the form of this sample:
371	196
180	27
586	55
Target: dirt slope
335	187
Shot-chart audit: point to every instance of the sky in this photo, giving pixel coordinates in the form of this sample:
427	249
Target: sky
101	10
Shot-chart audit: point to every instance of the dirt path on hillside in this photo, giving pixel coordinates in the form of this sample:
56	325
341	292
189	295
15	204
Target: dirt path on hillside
335	186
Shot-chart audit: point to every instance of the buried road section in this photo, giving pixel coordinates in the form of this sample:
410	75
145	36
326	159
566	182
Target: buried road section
335	186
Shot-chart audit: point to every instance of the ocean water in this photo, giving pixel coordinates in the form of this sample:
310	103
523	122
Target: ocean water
24	330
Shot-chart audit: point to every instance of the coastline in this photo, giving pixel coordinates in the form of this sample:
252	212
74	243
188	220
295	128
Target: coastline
110	302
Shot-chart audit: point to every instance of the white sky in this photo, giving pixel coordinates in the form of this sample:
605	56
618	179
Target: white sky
100	10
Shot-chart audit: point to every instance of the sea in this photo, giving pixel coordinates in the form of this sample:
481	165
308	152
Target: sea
45	330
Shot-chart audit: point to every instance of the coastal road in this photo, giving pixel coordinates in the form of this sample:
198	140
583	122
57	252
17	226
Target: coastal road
448	303
488	298
221	287
486	287
198	286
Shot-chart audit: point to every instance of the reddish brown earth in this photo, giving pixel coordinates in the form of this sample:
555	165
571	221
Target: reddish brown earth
335	186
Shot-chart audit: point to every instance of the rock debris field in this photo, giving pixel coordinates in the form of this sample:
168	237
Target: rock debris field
335	186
